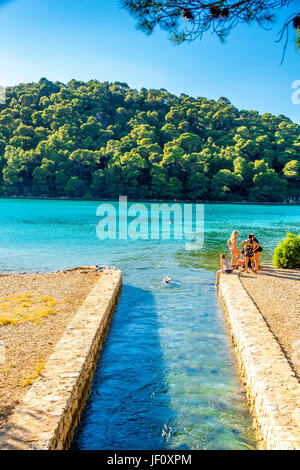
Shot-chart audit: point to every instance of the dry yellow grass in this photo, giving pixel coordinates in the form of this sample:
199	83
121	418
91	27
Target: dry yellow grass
25	308
39	368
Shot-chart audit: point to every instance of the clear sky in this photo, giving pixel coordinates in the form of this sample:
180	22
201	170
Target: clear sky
95	39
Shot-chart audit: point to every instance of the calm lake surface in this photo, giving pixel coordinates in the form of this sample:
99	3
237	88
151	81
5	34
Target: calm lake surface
166	377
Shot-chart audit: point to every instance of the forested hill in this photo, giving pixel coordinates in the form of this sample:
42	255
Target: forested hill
102	140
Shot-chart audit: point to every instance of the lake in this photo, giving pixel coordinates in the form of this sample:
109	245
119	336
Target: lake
166	377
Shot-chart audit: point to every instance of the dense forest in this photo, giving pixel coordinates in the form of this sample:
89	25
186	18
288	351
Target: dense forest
100	140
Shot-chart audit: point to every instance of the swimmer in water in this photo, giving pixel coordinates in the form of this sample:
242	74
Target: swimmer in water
165	280
168	280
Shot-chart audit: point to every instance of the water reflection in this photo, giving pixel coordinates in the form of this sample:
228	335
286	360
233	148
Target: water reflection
129	405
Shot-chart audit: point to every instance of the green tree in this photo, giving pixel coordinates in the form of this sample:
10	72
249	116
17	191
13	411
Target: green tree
268	186
224	182
292	169
16	172
197	185
75	187
43	178
219	17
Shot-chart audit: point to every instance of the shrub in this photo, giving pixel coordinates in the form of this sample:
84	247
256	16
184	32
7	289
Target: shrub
287	253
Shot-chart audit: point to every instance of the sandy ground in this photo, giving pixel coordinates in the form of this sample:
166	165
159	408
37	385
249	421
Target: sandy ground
276	293
29	344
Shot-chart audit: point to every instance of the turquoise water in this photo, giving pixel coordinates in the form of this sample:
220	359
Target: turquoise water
166	377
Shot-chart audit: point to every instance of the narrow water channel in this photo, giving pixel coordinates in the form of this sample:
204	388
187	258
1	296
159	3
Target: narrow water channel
165	378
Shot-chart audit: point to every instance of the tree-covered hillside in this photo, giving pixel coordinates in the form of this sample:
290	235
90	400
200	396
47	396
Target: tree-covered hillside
102	140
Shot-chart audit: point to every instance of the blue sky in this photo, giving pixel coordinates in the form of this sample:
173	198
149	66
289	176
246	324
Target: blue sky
65	39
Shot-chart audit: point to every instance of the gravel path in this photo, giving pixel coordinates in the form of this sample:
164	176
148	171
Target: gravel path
28	344
276	293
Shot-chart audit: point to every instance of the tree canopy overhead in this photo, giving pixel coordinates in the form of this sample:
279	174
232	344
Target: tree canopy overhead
186	20
101	140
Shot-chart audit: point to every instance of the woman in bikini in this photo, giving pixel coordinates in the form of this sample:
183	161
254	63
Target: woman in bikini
257	252
232	245
250	247
225	268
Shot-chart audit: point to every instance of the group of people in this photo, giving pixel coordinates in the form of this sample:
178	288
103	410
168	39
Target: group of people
247	258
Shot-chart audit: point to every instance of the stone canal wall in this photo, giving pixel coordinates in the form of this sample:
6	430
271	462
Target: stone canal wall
48	415
272	388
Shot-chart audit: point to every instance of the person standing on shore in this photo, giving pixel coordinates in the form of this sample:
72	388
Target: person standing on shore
257	252
232	245
250	247
225	268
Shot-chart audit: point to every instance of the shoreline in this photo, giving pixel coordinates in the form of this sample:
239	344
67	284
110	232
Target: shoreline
157	201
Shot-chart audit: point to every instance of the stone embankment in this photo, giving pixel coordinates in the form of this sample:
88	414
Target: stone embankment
272	387
48	415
